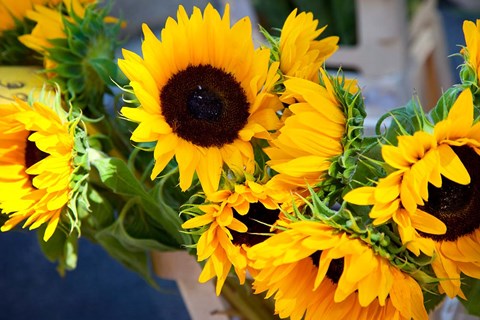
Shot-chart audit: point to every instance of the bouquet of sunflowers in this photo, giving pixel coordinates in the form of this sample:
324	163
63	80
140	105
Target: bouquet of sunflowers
252	160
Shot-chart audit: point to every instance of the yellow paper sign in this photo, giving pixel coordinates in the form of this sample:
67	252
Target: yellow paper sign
19	82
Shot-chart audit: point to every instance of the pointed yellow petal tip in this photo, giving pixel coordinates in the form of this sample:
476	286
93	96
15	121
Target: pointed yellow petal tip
361	196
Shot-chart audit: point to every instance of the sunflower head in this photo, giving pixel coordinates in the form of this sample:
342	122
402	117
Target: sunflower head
300	52
203	94
318	143
77	42
228	223
44	167
315	271
429	190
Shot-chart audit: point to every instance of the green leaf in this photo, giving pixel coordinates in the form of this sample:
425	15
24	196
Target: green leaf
135	260
471	288
102	212
405	120
130	250
115	174
120	229
60	248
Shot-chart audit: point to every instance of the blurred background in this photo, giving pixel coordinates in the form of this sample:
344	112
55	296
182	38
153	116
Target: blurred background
395	48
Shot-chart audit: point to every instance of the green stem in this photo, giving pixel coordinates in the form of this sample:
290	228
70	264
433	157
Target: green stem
246	305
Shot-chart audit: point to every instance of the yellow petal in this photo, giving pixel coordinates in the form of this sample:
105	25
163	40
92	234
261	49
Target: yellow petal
209	170
361	196
52	226
427	223
187	158
394	157
461	113
451	166
197	221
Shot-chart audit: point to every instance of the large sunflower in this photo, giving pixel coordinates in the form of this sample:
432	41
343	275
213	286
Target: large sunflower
301	54
36	152
433	196
315	271
200	93
311	136
233	221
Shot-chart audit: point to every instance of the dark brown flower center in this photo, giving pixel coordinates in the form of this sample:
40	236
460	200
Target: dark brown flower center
258	221
458	206
32	154
205	105
335	269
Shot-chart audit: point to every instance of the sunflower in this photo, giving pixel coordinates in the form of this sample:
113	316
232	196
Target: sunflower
235	220
471	33
14	24
301	55
77	43
36	152
49	26
202	93
311	136
316	271
433	196
13	10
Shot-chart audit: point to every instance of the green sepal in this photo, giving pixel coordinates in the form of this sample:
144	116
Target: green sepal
405	120
274	43
444	104
343	167
60	248
85	59
78	206
468	73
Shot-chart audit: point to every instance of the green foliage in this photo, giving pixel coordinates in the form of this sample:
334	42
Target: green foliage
405	120
471	289
129	222
14	53
116	176
343	168
339	15
85	59
444	104
60	248
109	231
